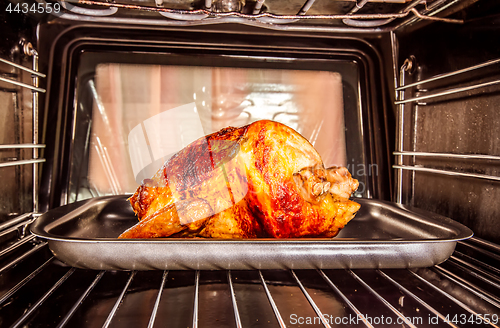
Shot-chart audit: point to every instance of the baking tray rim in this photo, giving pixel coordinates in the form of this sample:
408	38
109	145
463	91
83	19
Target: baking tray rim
463	232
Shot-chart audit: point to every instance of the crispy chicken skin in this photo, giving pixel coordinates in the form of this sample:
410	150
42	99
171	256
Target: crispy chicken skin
260	180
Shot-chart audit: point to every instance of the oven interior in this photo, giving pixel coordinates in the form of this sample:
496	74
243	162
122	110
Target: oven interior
403	93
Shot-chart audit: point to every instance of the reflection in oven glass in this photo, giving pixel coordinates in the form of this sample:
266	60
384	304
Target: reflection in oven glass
143	114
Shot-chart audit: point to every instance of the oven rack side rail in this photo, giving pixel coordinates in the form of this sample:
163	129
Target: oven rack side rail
29	51
465	285
353	18
426	94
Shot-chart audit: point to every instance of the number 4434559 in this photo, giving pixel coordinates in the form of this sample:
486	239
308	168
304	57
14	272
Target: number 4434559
39	8
473	318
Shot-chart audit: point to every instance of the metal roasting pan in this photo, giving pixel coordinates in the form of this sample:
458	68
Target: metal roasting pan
382	235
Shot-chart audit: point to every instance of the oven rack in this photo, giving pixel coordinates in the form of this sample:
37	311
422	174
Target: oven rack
352	16
35	146
468	284
425	94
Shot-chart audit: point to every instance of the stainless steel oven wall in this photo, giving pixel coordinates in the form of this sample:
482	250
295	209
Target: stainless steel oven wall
453	116
16	119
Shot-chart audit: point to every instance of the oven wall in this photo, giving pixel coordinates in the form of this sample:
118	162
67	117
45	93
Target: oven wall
15	114
462	123
467	123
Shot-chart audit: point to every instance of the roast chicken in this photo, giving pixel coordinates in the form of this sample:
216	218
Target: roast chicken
260	180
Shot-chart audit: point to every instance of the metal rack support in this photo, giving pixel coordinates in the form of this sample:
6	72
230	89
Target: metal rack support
401	101
400	136
34	87
29	50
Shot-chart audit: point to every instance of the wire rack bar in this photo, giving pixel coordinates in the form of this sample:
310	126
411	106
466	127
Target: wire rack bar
158	298
484	243
45	296
22	257
118	301
453	299
277	314
480	250
310	300
22	67
476	267
445	75
475	271
493	300
18	243
22	162
448	155
445	172
22	146
307	5
23	282
237	318
345	299
15	227
21	84
196	298
86	293
14	221
416	298
383	300
475	261
448	92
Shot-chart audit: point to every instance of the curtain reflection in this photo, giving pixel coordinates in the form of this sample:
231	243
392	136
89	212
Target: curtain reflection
143	114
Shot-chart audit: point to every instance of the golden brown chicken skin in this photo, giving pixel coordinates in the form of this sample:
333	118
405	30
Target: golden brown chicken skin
260	180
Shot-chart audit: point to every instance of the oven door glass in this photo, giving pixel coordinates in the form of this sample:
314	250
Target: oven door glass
134	117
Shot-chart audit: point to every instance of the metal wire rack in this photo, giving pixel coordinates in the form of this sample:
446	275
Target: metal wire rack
35	146
13	233
426	94
41	291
